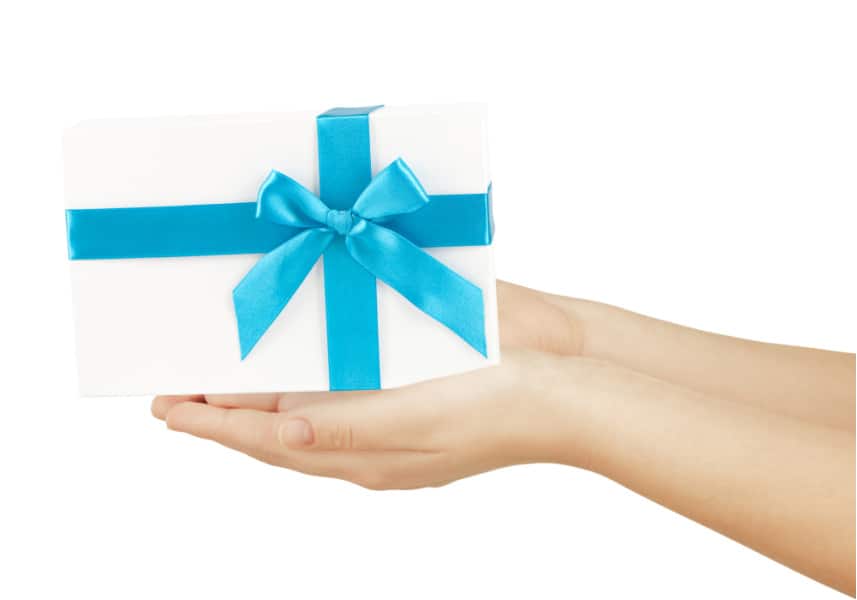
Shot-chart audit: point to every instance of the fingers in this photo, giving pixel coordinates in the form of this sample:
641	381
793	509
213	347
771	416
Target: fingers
240	429
257	434
263	402
249	431
245	430
393	420
266	402
162	404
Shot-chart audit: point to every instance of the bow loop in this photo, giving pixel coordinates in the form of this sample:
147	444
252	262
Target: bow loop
393	191
284	201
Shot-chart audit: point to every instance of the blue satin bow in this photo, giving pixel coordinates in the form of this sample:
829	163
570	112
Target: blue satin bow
428	284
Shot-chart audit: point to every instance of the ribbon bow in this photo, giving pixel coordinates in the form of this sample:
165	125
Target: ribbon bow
427	283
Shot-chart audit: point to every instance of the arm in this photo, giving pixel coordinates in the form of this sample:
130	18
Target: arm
814	385
780	485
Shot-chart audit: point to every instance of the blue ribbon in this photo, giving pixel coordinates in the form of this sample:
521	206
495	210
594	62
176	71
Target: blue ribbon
364	228
232	228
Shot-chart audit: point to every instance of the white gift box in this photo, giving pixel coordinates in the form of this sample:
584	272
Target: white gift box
167	325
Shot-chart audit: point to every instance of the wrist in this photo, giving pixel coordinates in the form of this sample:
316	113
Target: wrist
555	408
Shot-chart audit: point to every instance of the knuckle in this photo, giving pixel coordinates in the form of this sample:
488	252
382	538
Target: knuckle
338	437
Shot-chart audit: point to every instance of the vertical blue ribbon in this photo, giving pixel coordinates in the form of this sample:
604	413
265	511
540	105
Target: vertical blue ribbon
351	303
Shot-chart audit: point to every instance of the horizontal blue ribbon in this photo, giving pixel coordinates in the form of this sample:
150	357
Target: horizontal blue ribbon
218	229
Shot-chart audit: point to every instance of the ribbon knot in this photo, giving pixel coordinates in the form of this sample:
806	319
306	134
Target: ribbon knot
341	221
427	283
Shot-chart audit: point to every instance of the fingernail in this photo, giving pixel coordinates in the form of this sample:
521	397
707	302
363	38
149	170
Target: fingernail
296	433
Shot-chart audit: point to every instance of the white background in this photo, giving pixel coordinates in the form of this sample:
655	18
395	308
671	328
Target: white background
693	161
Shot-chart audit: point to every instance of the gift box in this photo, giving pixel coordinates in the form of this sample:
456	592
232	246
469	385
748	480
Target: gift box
280	252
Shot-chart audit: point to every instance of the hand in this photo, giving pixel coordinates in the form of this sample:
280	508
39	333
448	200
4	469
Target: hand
423	435
426	434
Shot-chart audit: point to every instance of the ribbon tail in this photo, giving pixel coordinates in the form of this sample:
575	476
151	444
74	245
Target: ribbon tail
266	289
427	283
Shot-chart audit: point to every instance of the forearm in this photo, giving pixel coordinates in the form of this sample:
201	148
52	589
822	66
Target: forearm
782	486
809	384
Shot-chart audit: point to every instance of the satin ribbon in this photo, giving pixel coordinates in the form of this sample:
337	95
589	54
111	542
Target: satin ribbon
232	228
427	283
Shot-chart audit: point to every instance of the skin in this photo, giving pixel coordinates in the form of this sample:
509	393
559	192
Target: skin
753	440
